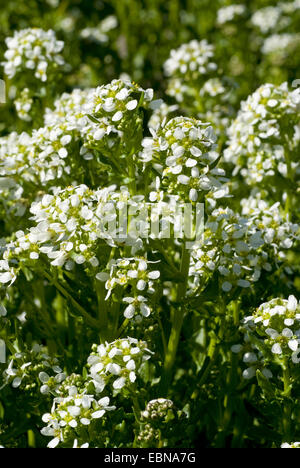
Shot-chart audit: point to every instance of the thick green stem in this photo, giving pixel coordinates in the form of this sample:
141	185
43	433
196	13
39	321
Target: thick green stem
290	176
131	171
287	404
236	313
177	322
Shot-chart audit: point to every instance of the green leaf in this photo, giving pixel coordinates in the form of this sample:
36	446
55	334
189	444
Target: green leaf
267	387
93	119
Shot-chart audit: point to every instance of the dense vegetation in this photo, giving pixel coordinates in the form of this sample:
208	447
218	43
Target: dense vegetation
121	325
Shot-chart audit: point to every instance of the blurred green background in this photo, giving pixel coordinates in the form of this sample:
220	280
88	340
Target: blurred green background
104	39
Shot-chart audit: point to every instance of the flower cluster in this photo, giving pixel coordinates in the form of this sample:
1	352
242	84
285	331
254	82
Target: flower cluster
187	68
102	116
117	363
185	150
74	112
278	322
132	271
71	109
31	161
241	246
31	369
291	445
67	228
281	45
277	231
33	50
194	59
230	13
160	115
23	105
233	246
264	132
272	335
118	100
73	416
99	34
275	17
266	18
193	82
261	119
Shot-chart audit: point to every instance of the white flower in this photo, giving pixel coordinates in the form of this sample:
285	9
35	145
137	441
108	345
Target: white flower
32	49
121	358
229	13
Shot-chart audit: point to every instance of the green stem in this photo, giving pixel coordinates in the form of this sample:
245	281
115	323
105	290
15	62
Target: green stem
162	335
136	408
287	404
122	327
131	171
290	175
102	310
178	315
236	313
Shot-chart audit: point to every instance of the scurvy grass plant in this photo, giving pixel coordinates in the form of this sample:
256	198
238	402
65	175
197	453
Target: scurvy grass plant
149	225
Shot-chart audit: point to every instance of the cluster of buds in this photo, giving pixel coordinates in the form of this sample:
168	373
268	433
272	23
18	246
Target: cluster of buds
157	423
148	436
157	409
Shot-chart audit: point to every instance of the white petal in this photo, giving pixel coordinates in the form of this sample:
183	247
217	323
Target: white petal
119	383
117	116
98	414
292	304
53	443
276	349
132	104
293	345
